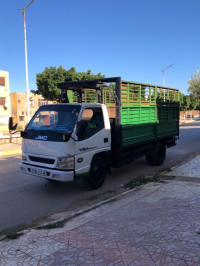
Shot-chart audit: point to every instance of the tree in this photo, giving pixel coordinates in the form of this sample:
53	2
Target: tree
194	85
181	101
184	102
47	80
194	103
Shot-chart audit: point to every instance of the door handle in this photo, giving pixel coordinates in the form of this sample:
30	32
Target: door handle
105	140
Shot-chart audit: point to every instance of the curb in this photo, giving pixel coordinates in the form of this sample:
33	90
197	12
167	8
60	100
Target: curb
72	216
5	153
80	212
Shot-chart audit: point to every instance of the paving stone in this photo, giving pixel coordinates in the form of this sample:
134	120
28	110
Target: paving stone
153	225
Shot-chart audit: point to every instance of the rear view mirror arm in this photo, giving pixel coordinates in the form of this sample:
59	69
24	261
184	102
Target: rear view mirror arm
11	127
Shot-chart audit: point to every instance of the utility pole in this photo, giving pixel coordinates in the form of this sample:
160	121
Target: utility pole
163	71
23	10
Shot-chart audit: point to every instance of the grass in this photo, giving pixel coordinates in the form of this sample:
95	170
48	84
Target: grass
14	235
95	197
141	180
59	224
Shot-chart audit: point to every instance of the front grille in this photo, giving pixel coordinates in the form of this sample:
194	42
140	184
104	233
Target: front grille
41	160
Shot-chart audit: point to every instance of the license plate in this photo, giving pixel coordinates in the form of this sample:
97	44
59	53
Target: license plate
38	172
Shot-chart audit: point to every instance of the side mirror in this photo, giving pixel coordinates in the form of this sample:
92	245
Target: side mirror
80	128
10	124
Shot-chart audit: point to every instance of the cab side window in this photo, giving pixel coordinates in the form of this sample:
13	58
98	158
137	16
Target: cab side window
93	118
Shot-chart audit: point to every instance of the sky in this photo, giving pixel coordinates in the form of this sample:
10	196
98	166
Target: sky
133	39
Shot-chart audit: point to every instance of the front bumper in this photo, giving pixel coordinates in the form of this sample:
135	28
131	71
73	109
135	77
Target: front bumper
46	173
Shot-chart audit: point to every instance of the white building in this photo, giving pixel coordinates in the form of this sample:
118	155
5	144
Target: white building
5	106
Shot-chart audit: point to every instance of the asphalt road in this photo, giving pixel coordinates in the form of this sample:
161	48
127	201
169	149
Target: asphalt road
25	198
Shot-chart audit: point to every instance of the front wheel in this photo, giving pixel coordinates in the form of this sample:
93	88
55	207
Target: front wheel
97	173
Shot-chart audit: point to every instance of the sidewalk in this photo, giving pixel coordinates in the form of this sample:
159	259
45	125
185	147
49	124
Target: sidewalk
188	120
154	224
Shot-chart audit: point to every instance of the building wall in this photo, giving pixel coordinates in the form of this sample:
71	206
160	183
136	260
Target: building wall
19	106
192	113
5	106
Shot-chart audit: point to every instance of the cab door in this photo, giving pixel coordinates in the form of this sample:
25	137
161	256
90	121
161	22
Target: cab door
94	139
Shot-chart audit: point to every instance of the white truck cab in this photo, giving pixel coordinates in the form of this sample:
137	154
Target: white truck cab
66	141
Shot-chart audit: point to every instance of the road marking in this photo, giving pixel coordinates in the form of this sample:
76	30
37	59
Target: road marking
4	153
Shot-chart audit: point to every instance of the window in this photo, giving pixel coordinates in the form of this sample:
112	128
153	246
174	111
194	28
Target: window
42	102
21	118
93	118
2	101
87	114
31	103
2	81
58	118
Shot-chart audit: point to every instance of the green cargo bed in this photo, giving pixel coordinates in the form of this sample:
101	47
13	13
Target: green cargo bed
142	116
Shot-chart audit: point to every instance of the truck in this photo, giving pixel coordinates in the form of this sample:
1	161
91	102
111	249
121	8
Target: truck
97	125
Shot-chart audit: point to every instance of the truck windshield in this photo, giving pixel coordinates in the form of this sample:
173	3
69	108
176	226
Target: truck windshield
58	118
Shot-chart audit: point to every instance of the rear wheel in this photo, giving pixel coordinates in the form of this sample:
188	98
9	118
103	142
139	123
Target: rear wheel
157	157
149	159
97	173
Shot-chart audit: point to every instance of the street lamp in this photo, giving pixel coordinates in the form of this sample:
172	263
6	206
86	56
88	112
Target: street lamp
163	71
23	10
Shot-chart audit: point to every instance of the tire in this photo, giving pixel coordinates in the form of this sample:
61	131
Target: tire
149	159
97	173
158	155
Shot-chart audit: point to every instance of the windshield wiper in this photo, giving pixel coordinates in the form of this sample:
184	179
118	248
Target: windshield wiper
58	131
37	130
50	130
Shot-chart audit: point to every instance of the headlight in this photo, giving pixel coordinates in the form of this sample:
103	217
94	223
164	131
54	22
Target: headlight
24	158
65	163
